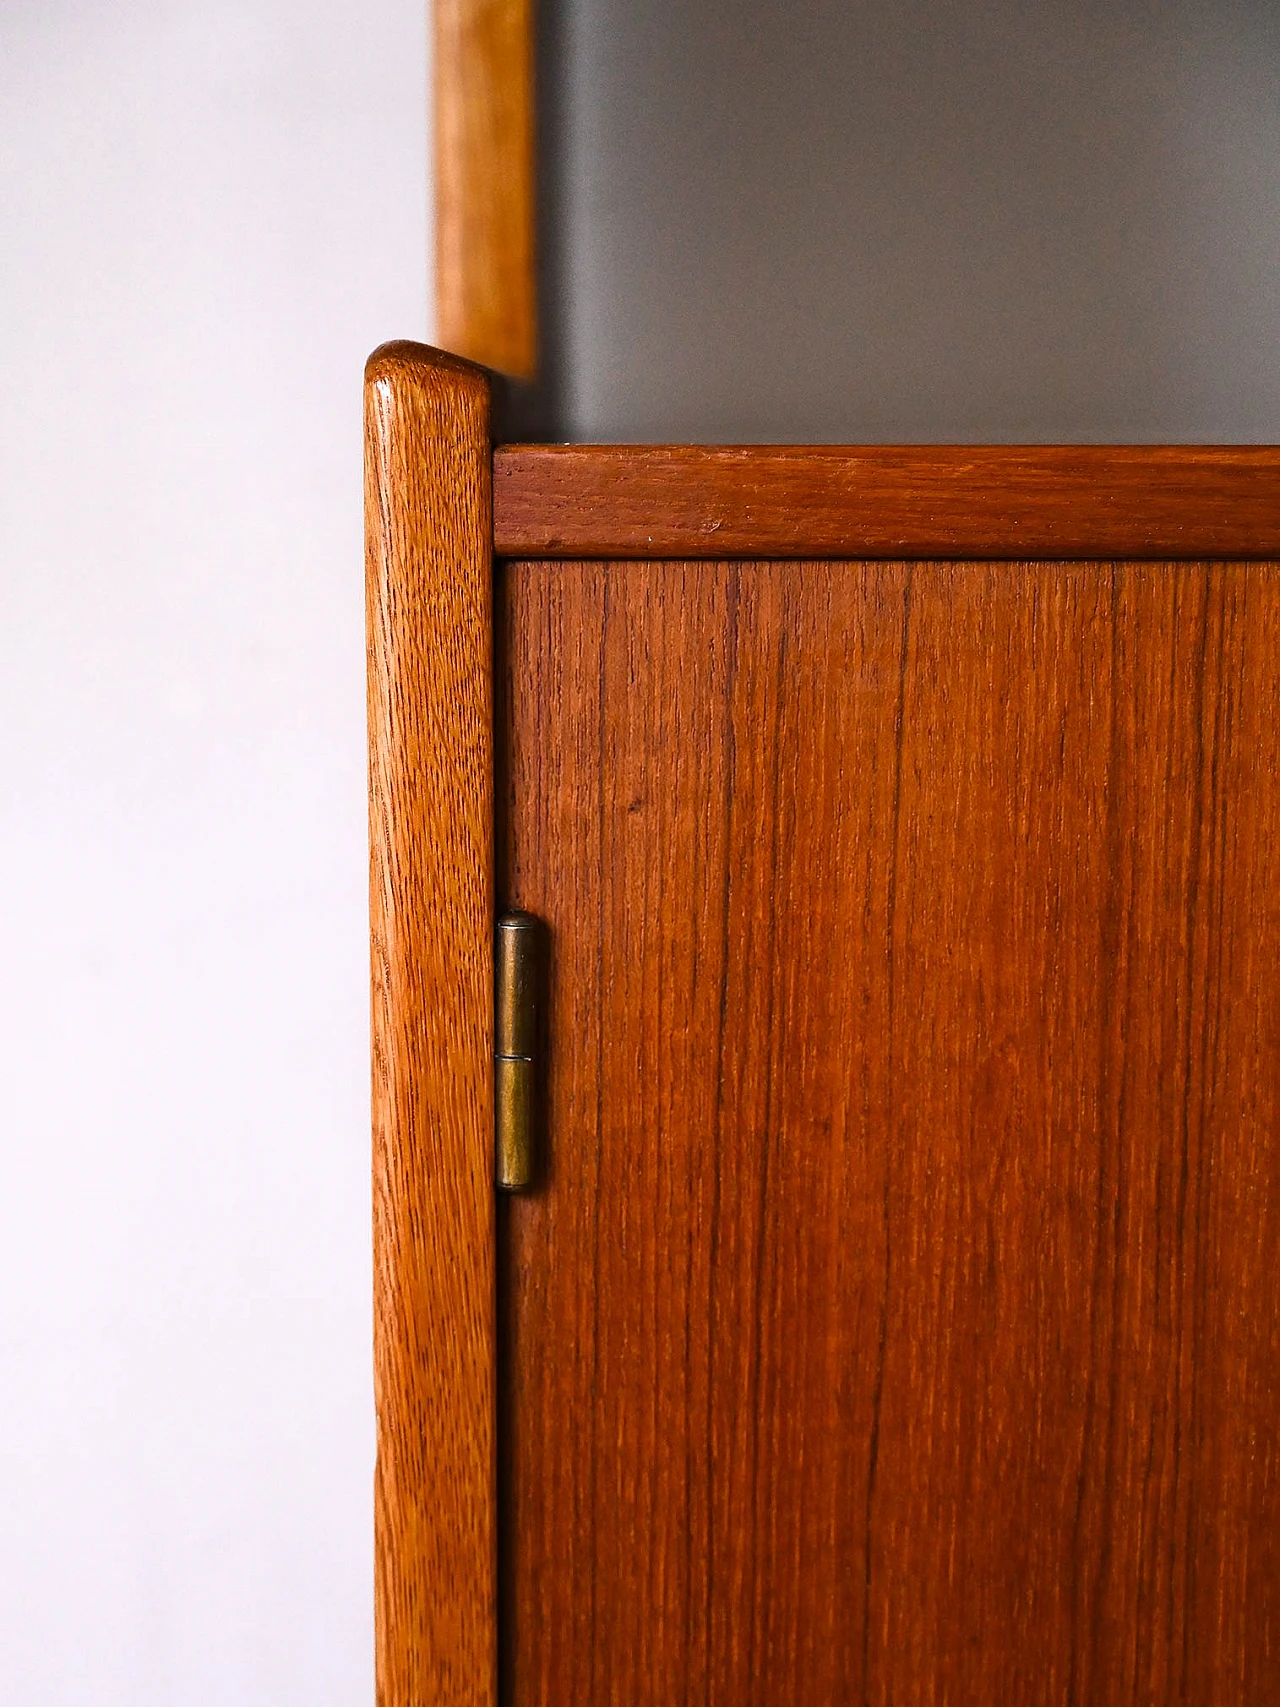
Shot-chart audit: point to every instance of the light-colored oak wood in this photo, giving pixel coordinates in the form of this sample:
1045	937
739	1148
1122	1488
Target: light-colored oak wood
485	183
887	501
899	1320
428	521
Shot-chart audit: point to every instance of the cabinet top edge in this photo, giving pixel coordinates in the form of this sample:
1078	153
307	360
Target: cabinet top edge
861	501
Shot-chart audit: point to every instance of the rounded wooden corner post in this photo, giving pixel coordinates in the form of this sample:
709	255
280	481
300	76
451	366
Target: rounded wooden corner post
486	182
429	545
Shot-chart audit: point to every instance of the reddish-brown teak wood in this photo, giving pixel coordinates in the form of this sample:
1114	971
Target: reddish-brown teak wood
427	507
896	1319
900	1321
887	501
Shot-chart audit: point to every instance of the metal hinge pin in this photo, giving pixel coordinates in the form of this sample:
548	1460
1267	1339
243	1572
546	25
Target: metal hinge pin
517	976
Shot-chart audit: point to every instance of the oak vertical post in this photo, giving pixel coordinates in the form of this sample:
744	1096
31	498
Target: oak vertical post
428	506
485	176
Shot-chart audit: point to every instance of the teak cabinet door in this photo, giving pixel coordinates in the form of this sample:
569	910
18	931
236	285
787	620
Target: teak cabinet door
897	1318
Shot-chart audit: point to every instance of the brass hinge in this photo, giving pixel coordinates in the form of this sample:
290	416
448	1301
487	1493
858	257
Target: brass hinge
517	966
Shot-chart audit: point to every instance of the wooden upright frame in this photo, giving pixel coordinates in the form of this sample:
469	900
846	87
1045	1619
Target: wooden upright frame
485	182
429	537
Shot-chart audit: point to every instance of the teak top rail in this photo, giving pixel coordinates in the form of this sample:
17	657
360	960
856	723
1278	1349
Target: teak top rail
992	502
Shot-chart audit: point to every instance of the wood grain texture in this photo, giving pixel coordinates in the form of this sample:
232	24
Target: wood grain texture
428	519
870	501
900	1320
485	192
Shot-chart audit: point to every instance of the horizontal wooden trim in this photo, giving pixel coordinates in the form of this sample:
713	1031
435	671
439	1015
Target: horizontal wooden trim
1003	501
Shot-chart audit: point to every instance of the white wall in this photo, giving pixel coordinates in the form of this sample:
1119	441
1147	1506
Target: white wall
212	212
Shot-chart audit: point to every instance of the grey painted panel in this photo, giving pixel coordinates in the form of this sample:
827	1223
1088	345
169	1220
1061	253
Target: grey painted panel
927	222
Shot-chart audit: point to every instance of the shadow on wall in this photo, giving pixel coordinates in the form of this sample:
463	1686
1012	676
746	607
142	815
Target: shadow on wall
928	222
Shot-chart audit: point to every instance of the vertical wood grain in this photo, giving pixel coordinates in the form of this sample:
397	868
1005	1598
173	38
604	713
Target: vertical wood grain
485	182
428	541
900	1319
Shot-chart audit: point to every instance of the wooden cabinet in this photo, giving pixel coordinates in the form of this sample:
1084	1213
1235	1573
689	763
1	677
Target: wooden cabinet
897	1314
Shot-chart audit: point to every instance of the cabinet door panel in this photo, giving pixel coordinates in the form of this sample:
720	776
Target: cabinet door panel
897	1317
